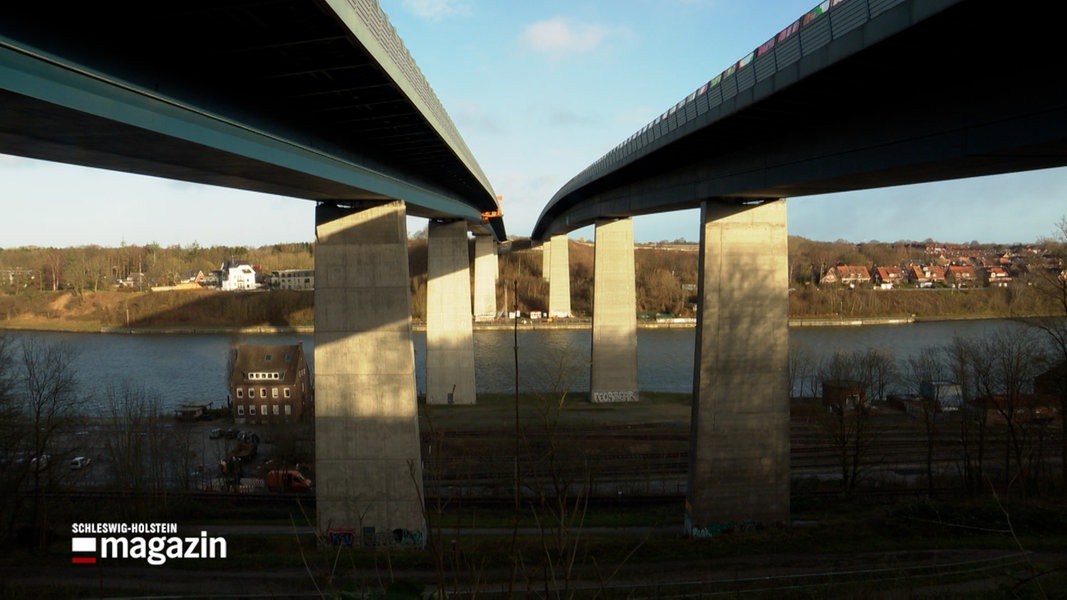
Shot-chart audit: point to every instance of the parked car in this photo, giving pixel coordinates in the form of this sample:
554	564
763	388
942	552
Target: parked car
287	480
79	462
215	434
230	434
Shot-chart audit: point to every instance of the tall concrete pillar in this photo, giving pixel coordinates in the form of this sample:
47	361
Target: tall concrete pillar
485	275
559	277
546	259
449	333
613	374
368	466
739	446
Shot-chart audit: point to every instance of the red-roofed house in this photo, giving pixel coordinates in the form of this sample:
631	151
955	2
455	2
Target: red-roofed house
997	277
847	274
927	275
888	276
961	275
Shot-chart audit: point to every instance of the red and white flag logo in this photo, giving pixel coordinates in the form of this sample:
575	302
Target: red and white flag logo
83	545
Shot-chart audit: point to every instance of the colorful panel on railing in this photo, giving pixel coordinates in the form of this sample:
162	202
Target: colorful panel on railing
766	47
746	60
788	31
815	13
810	16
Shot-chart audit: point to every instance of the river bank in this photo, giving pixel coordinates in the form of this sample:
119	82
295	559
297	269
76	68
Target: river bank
502	325
499	325
289	312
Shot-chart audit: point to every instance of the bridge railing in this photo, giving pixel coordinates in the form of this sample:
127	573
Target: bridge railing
386	36
827	21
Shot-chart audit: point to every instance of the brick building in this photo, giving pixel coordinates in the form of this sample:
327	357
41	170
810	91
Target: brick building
271	384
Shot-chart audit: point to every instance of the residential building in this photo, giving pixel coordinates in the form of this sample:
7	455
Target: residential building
196	277
848	275
945	395
271	384
293	279
844	395
997	277
133	281
17	277
961	275
927	275
237	275
887	277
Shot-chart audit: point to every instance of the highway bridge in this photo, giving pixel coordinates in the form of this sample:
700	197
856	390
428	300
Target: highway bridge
310	99
851	95
307	99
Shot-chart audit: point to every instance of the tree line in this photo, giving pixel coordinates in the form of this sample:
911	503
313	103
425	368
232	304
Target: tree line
666	275
96	268
1006	435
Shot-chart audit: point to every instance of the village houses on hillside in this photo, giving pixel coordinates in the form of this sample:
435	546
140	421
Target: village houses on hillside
942	266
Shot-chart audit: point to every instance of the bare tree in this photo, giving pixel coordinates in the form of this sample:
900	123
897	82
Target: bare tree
45	381
877	368
1049	278
958	361
14	450
801	371
848	425
1003	366
927	366
53	267
133	449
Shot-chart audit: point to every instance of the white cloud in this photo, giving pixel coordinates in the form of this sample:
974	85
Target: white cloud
560	36
436	9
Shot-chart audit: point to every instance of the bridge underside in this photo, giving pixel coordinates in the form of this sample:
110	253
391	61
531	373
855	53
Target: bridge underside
65	135
927	90
299	98
974	90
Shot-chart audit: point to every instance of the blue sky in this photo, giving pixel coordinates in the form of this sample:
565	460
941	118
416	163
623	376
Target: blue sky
538	90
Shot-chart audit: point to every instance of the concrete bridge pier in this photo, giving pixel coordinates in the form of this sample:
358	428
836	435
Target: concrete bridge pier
613	372
739	445
486	272
368	466
546	259
449	331
559	277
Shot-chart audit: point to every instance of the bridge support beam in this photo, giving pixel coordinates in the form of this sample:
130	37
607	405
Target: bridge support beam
613	373
739	446
449	332
368	466
559	277
486	272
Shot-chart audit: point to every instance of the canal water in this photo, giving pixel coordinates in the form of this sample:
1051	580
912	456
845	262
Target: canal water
179	368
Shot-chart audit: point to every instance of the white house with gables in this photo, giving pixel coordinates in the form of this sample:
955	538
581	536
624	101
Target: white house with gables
237	275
